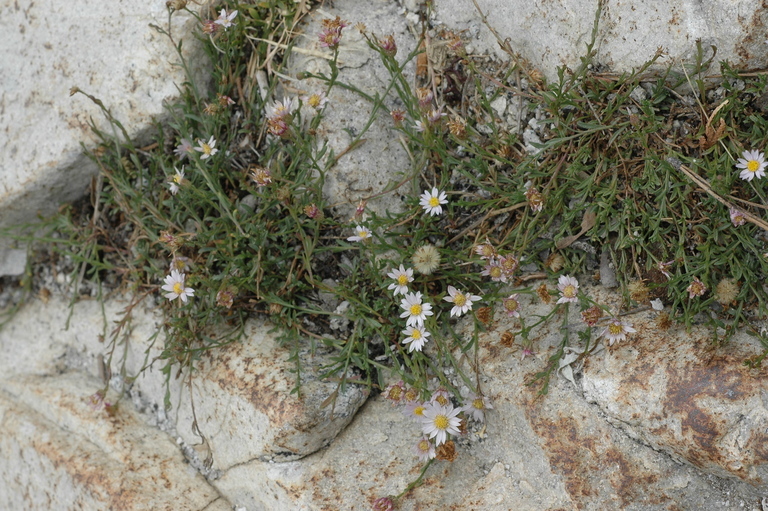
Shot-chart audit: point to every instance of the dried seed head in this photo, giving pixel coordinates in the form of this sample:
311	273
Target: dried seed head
458	127
504	151
543	293
726	292
410	395
426	259
284	194
507	339
260	175
211	109
446	451
555	262
484	314
169	240
275	309
388	45
312	211
663	321
592	315
638	291
176	5
535	199
225	297
425	97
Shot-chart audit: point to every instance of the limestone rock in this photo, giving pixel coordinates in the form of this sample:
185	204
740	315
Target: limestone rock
553	34
59	452
535	452
367	169
244	406
108	49
678	393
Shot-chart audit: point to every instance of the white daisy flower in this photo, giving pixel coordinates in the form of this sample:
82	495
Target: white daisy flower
569	287
224	19
441	397
617	331
279	110
432	201
476	406
361	234
440	421
316	100
461	302
424	449
176	180
415	410
174	284
416	336
752	164
207	148
415	311
402	278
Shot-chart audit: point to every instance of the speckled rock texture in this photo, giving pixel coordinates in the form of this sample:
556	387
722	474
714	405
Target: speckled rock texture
244	405
58	451
380	161
555	452
681	395
108	49
550	34
266	449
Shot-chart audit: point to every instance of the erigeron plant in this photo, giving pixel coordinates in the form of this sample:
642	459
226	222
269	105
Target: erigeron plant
219	233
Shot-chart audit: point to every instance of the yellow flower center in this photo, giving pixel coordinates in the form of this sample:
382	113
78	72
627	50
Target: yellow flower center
424	445
402	280
753	165
495	272
615	329
415	309
441	422
569	291
314	100
511	305
459	299
419	410
177	179
434	202
395	392
442	400
363	233
178	288
478	403
206	148
416	334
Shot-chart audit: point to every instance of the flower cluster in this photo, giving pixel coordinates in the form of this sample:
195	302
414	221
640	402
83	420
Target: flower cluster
438	418
330	36
499	268
280	115
225	20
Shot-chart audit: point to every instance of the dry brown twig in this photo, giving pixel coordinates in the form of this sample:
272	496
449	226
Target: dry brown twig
704	185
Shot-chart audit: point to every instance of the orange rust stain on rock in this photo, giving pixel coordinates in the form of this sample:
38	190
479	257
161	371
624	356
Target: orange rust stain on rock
570	454
579	457
720	379
629	481
226	364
